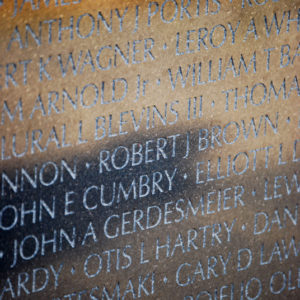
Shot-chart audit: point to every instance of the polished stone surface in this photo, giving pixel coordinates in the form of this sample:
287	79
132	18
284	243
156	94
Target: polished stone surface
149	149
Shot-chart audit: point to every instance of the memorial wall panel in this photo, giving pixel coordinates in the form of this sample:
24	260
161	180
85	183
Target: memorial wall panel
149	149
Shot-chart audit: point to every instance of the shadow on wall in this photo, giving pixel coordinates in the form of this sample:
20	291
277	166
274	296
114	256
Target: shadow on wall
101	195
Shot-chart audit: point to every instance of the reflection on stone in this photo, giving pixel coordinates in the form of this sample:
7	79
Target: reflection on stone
149	150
